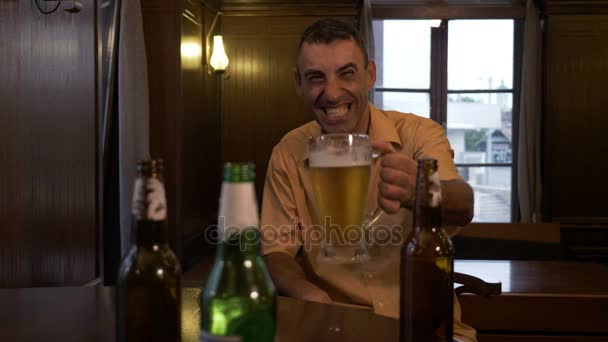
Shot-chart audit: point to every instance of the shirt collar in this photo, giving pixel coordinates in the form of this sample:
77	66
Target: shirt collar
381	128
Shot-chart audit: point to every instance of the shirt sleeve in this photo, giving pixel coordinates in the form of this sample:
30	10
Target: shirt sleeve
279	222
462	332
432	142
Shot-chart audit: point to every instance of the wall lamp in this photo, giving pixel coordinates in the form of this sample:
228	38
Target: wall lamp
218	62
76	6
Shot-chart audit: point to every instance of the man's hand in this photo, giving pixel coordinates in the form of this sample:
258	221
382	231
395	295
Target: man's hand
310	292
397	187
289	278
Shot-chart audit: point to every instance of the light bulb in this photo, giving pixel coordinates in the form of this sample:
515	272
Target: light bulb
219	61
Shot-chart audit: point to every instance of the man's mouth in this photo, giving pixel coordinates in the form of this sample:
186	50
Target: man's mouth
336	113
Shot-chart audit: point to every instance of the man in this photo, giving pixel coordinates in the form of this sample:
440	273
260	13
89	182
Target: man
333	78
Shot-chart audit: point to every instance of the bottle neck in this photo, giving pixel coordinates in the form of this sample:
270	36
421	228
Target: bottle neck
149	210
241	245
238	208
150	233
427	209
427	217
238	221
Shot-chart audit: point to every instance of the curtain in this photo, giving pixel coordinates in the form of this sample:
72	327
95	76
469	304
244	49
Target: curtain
365	27
529	144
133	109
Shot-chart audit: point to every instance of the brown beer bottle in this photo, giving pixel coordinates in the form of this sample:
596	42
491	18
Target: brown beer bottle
148	286
427	262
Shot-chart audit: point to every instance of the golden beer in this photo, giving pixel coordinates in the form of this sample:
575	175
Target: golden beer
341	194
340	172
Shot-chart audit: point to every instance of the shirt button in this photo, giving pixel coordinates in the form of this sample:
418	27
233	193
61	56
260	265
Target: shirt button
380	305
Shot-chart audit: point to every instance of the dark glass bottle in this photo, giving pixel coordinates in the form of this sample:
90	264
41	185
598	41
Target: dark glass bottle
427	262
148	286
238	303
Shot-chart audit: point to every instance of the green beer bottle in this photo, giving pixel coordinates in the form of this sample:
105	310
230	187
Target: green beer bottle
427	263
148	286
239	300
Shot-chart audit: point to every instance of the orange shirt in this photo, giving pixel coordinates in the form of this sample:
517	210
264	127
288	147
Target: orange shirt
288	211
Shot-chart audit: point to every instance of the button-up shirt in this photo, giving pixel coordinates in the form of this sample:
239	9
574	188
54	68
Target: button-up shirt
289	212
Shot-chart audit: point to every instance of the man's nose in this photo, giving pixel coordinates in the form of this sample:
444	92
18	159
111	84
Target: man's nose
333	89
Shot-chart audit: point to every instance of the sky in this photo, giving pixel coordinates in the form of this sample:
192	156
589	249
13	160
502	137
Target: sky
477	50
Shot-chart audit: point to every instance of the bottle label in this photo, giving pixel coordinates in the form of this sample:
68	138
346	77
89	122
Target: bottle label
434	190
238	208
207	337
149	200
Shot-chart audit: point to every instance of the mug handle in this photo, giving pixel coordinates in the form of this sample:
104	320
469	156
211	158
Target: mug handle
372	218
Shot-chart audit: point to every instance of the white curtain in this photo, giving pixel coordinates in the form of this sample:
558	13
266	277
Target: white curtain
365	27
133	109
529	148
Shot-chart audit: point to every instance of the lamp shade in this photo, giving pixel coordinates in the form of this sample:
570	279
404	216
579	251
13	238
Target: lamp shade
219	60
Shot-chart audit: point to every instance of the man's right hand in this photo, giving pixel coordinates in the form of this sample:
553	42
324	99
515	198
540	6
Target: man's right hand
290	279
310	292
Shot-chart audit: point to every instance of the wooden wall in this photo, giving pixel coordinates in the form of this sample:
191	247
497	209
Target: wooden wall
575	124
48	195
184	120
201	142
260	100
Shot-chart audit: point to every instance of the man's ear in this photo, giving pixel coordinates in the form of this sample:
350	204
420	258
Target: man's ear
298	81
371	72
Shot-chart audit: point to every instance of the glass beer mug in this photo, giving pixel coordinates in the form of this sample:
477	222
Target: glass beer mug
340	166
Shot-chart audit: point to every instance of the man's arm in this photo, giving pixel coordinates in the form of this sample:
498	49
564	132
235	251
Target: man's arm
397	188
290	279
457	202
279	210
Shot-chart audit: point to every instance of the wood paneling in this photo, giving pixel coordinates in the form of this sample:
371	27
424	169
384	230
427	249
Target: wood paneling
201	142
161	31
290	9
575	124
184	120
260	101
48	153
576	6
456	11
543	232
576	116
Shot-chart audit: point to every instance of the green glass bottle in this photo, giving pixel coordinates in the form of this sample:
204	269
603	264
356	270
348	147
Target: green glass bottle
427	263
148	286
238	302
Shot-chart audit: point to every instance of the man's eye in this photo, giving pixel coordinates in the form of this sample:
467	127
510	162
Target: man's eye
314	78
348	73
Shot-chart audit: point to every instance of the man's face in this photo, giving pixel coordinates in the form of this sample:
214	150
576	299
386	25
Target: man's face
333	82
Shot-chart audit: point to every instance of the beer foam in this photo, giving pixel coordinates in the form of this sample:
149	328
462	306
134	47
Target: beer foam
328	158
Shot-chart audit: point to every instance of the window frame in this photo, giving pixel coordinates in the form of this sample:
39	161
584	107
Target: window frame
438	88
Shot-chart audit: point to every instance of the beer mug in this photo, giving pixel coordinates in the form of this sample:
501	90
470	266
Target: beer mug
340	167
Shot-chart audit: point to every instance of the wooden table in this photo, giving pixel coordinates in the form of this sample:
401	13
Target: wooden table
541	301
544	301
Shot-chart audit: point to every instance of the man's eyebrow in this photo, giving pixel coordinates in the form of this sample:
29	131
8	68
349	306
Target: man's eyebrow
312	72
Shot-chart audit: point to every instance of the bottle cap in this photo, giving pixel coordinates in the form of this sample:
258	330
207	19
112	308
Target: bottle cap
150	167
427	163
239	172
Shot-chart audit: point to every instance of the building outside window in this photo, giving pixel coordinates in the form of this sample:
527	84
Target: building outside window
461	74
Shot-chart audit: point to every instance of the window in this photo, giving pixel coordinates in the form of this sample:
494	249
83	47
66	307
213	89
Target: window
462	75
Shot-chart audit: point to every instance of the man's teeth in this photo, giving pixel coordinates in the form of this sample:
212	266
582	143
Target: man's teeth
336	112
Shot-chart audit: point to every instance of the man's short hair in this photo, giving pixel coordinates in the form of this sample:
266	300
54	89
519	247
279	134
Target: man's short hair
327	31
